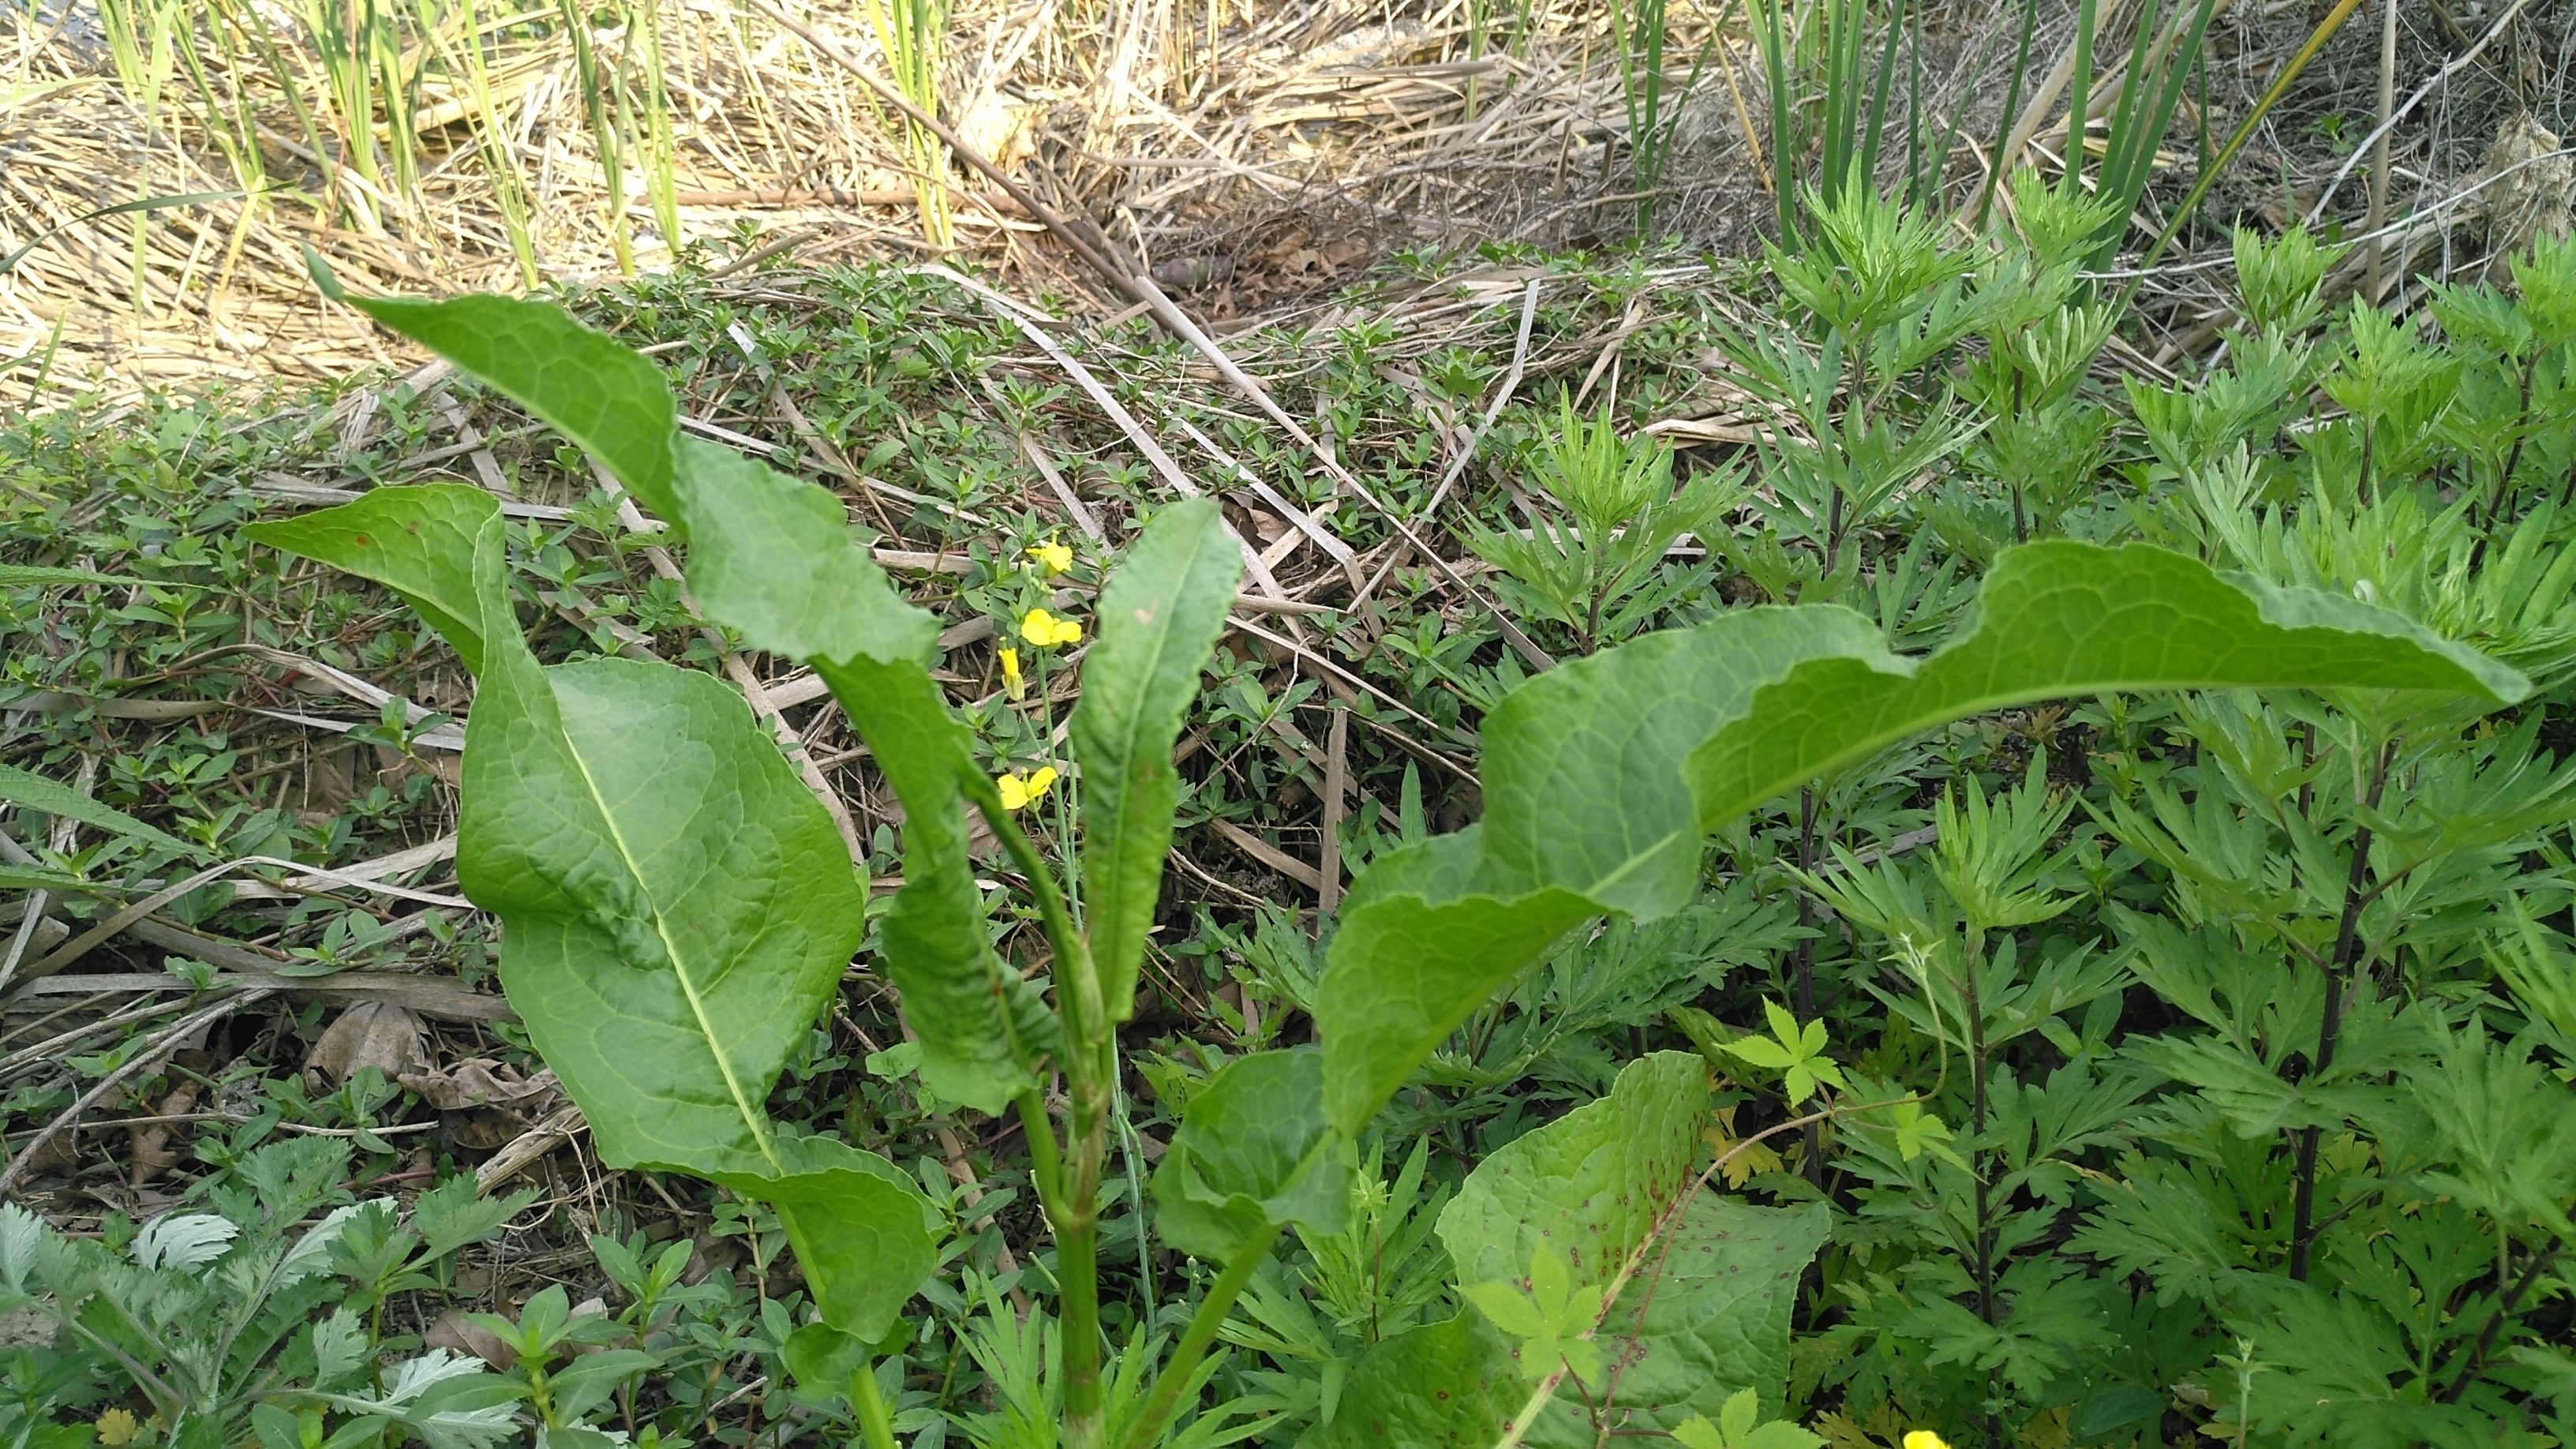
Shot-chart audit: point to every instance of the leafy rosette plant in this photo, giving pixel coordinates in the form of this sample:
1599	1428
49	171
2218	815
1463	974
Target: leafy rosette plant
678	908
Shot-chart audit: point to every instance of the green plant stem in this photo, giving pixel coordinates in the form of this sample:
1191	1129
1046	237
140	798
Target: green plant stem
2339	966
1075	1214
876	1419
1147	1426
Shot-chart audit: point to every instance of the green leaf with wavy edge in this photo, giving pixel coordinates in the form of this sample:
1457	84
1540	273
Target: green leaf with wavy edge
595	390
32	791
771	558
1159	616
1601	777
1589	1185
1252	1153
677	908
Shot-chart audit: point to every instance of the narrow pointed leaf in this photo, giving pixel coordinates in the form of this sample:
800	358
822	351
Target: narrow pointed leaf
595	390
1601	778
418	541
1159	616
35	792
771	557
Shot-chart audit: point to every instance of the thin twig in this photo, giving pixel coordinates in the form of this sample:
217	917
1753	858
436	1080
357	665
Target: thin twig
135	1065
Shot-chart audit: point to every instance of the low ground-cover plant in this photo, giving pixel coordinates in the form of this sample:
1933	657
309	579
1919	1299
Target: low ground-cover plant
678	909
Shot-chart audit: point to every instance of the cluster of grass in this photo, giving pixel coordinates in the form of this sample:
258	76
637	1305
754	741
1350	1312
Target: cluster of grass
2251	1021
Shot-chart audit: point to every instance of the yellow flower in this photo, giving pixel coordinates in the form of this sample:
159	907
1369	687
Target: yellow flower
1011	680
1054	557
1042	629
1020	790
1925	1439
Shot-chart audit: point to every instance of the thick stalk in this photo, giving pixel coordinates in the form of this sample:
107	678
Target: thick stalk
1813	1137
1075	1214
876	1420
2338	967
1147	1426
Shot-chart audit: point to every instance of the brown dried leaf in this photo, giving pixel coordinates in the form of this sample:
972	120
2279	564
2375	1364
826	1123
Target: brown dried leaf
459	1334
375	1034
476	1082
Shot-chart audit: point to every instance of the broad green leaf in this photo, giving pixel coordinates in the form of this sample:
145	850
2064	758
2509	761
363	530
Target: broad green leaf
1447	1385
677	908
32	791
1253	1152
861	1230
595	390
1159	616
1589	1186
1707	1317
771	557
1601	777
418	541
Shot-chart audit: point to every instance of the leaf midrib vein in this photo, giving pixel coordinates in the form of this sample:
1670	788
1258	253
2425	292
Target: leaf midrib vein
758	1122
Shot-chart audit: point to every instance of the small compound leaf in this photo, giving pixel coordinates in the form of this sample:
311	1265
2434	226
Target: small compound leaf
1253	1152
1160	614
418	541
595	390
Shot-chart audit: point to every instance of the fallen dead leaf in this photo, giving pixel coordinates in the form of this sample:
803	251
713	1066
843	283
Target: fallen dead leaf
375	1034
457	1333
476	1082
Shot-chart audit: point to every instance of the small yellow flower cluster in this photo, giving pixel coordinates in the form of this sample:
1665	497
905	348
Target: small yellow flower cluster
1020	791
1052	556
